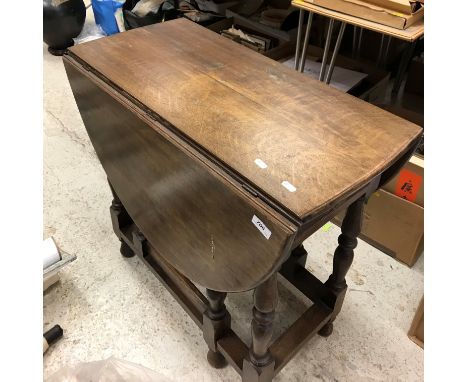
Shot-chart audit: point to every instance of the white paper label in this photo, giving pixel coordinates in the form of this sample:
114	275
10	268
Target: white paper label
50	253
288	186
260	163
261	227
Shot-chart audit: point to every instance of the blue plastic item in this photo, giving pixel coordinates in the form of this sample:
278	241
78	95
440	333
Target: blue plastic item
104	14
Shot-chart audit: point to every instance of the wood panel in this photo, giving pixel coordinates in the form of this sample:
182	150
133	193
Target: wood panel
291	341
198	221
240	106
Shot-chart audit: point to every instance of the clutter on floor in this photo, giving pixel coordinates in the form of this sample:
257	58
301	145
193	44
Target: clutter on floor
254	42
343	79
63	21
53	260
416	332
110	369
51	336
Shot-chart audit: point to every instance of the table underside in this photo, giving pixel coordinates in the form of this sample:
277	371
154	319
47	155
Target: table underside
233	349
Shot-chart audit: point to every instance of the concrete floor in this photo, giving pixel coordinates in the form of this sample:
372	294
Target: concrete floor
112	306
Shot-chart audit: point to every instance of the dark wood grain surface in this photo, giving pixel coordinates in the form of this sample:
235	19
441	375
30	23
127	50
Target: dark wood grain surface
198	220
240	106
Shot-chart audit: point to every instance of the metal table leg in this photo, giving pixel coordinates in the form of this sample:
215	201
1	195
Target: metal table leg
298	40
387	49
358	54
379	58
335	52
325	51
404	62
355	32
306	41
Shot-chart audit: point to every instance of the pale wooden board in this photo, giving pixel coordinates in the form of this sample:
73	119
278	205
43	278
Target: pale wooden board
410	34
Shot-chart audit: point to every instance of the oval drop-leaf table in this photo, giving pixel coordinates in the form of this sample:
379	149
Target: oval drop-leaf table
221	163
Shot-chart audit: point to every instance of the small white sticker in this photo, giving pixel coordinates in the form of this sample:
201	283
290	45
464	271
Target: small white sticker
261	227
288	186
260	163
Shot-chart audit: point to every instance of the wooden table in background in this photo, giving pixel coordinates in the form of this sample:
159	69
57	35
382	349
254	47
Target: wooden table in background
411	35
221	163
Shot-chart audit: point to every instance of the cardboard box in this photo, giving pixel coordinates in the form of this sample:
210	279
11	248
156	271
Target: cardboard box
409	182
403	6
371	12
279	40
416	332
393	225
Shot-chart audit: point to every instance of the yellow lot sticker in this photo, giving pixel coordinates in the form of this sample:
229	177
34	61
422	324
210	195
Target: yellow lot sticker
326	227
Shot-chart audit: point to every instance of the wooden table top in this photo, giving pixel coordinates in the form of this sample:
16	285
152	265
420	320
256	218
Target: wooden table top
412	33
248	111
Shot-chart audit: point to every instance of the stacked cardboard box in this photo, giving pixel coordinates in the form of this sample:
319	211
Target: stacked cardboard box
416	332
394	215
393	13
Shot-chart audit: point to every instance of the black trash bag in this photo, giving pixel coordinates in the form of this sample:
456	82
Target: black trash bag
139	13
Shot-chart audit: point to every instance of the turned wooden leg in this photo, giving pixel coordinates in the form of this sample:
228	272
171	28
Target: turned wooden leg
260	365
326	330
300	255
125	250
216	320
343	258
120	218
